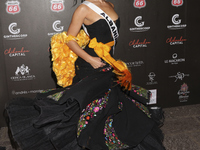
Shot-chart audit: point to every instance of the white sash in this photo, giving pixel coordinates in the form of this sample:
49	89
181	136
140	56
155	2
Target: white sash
111	24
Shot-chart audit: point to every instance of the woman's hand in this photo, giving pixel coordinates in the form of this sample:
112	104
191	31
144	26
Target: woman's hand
96	62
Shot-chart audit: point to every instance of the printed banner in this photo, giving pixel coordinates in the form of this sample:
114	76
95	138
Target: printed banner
158	41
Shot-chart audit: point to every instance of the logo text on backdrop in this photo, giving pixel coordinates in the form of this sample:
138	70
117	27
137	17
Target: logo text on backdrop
177	3
57	5
13	7
139	3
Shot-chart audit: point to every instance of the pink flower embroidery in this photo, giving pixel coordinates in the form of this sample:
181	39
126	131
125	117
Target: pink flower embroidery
96	109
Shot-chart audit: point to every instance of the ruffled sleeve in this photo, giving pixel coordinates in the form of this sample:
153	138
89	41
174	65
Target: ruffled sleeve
64	58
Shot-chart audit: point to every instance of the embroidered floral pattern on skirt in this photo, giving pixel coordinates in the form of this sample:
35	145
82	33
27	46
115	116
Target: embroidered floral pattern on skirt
142	107
140	91
91	111
111	139
46	91
56	96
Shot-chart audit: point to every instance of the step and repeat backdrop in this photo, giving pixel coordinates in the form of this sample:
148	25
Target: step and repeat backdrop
159	42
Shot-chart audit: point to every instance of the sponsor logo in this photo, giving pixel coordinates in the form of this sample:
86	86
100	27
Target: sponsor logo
13	7
13	52
139	3
26	92
22	73
57	5
177	23
177	3
175	20
175	60
56	27
12	30
139	25
134	64
183	93
138	44
15	32
179	76
152	76
175	41
153	96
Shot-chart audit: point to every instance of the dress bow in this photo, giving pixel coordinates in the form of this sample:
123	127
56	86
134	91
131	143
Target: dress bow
120	69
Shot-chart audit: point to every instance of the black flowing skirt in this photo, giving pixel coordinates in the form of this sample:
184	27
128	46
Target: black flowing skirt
95	113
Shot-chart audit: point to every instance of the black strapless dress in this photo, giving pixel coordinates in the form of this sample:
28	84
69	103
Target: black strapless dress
94	113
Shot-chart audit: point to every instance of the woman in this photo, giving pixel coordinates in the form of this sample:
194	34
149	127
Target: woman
95	112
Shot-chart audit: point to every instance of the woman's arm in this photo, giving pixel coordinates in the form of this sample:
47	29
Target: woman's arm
77	20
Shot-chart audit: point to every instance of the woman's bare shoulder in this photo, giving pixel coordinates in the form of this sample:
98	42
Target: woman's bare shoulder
81	9
111	4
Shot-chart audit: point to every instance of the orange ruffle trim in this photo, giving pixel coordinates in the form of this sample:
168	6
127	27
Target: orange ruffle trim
63	58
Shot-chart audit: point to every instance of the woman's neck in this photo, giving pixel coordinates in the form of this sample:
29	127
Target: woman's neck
93	1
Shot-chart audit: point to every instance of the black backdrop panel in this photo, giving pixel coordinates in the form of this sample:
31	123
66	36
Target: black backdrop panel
3	83
158	42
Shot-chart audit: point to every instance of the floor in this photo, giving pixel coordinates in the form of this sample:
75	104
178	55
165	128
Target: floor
181	129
